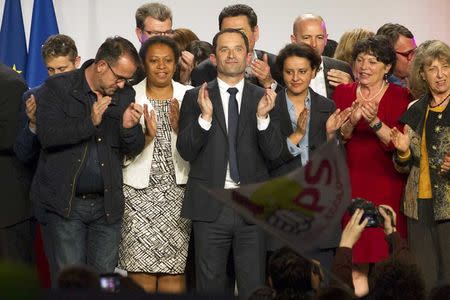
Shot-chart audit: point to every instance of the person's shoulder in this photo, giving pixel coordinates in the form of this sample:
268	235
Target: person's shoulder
11	78
323	101
335	63
63	80
205	65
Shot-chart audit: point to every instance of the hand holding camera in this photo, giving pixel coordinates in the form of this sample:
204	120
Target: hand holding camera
373	213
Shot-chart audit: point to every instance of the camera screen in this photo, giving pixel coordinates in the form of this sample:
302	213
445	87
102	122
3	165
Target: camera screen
110	283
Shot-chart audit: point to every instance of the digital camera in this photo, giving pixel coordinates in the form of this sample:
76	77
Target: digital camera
371	212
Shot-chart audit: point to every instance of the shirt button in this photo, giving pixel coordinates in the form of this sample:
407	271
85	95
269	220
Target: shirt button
436	186
79	160
102	164
106	190
107	215
434	147
99	139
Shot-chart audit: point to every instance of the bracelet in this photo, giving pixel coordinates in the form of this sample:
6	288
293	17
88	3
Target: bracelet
377	126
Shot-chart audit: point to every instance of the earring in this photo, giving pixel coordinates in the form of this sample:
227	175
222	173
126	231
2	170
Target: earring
386	76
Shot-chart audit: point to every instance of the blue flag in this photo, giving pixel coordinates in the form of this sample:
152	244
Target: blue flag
43	25
13	47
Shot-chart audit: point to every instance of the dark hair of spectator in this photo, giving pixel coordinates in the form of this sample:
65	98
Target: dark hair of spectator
396	279
300	50
239	10
59	45
201	50
115	47
159	39
378	46
183	37
394	31
78	277
290	273
330	48
263	293
333	293
229	30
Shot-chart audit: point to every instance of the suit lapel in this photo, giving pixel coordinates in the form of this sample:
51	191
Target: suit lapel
314	114
214	95
286	127
326	68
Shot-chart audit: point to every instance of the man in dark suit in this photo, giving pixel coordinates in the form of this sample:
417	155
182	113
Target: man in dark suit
16	227
226	134
311	29
262	71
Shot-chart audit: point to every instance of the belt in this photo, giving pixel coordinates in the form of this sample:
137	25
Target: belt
89	196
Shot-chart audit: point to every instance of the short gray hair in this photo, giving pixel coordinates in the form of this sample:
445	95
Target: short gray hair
155	10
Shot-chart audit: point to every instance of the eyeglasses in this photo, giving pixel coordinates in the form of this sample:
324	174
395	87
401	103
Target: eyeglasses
153	33
120	79
408	54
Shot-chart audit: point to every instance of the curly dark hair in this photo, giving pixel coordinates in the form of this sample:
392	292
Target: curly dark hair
159	39
239	10
378	46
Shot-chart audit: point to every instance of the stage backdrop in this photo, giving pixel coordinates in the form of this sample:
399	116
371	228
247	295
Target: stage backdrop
89	22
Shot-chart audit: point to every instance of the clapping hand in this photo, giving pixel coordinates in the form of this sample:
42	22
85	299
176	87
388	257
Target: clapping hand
99	107
336	77
336	119
205	103
150	124
132	115
174	114
400	140
30	109
266	104
261	70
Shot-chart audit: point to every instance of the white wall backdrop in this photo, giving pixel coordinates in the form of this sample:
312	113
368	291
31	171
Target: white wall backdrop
89	22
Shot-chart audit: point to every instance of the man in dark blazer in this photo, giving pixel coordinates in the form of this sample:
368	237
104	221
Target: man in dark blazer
226	134
262	71
16	227
311	29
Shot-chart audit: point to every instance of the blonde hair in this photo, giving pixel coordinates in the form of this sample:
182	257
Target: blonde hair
347	43
426	53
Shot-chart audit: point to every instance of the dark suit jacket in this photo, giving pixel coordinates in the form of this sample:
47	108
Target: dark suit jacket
332	63
206	71
14	177
321	109
207	150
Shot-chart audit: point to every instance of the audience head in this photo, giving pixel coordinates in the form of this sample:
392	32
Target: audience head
374	59
396	280
404	44
330	48
299	64
153	19
201	50
310	29
78	277
241	17
60	54
263	293
224	42
333	293
183	37
290	274
116	62
347	43
159	55
431	63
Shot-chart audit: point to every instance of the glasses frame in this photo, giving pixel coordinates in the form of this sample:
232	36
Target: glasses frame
120	79
408	54
163	33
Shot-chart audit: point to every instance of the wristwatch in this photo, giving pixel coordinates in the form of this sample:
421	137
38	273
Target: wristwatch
377	126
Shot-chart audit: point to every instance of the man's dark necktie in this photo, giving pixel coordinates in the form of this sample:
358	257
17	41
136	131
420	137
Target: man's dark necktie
233	121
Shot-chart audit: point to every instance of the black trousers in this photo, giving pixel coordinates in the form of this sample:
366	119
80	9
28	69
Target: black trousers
429	242
213	242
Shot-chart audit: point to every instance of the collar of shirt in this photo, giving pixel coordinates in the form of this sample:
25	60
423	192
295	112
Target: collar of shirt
225	96
318	83
292	111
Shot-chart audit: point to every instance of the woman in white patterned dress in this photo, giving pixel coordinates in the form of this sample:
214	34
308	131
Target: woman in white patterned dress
155	238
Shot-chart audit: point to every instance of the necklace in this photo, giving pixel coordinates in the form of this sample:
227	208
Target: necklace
440	103
370	99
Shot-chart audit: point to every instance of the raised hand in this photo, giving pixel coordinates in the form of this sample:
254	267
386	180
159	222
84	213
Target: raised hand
205	103
99	107
356	114
186	66
30	109
174	114
261	70
445	167
266	104
132	115
390	219
336	119
369	111
336	77
302	121
399	140
353	229
150	125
